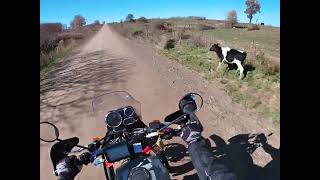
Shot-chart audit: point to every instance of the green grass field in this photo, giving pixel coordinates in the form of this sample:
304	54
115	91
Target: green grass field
266	39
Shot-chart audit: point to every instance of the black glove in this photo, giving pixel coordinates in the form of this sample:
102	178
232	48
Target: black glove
191	133
188	104
68	168
261	138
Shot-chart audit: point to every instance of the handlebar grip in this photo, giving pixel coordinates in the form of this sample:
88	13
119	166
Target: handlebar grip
84	158
137	138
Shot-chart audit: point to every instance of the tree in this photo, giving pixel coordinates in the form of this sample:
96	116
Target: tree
253	6
78	21
232	17
130	17
96	22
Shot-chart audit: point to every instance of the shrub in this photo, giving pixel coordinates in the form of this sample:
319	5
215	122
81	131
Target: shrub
137	32
96	22
228	24
253	27
143	19
48	41
203	27
239	26
197	41
184	36
69	35
161	27
51	27
170	43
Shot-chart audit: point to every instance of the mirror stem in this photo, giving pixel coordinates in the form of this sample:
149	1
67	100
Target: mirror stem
82	147
76	145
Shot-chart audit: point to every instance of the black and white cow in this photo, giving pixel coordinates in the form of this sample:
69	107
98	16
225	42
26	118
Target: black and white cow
230	56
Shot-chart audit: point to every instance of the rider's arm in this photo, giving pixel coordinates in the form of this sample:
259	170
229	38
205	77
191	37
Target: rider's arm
65	178
67	168
206	164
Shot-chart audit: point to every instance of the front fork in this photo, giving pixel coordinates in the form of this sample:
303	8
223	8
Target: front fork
158	149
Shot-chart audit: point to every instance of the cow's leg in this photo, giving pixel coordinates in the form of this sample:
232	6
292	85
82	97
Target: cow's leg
219	65
225	70
239	67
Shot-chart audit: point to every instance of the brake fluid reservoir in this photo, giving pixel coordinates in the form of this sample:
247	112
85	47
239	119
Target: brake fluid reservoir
98	161
137	148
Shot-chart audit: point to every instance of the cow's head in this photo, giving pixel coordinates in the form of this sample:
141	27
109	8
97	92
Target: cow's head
215	47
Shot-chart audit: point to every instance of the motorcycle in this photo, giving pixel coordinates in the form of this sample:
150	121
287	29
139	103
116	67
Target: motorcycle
128	139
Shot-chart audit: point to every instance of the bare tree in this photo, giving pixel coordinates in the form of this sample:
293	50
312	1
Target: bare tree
232	17
78	21
253	6
130	17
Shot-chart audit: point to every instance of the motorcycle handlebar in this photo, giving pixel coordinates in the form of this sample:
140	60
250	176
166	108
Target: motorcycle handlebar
168	133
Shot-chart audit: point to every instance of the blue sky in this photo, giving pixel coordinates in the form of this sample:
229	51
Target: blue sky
115	10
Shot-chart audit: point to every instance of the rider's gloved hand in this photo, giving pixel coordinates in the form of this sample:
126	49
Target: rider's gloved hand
191	133
68	168
261	138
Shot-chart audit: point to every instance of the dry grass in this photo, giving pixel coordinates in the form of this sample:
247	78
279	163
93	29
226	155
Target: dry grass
56	42
253	27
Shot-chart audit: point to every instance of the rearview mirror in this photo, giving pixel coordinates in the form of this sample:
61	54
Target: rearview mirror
48	132
191	103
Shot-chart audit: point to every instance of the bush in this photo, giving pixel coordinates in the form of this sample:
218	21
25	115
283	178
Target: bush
96	22
51	27
69	35
161	26
48	39
137	32
253	27
197	41
170	43
239	26
184	36
228	24
143	19
203	27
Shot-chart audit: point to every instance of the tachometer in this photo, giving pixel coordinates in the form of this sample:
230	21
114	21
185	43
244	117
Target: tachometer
128	111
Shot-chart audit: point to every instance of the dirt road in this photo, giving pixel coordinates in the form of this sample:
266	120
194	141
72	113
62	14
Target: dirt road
109	62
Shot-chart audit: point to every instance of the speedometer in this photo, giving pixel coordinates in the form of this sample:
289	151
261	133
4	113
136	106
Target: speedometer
113	119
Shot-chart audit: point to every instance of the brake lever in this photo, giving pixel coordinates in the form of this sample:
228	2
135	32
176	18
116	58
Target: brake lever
77	150
184	116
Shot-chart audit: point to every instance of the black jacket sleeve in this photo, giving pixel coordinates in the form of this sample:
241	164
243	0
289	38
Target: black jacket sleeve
206	164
